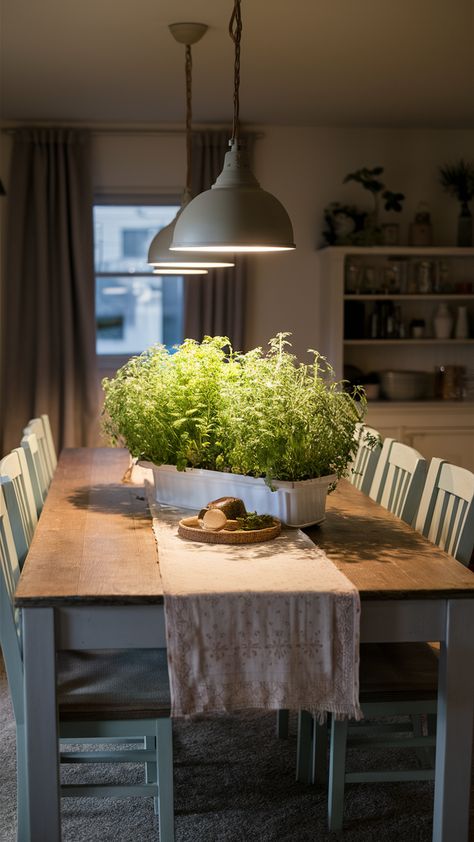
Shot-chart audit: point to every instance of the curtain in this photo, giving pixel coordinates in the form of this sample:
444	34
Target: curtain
48	359
214	304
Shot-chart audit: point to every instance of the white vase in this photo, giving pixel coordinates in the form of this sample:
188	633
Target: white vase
443	322
461	331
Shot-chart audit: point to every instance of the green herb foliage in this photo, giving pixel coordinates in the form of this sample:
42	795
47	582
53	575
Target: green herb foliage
259	414
254	521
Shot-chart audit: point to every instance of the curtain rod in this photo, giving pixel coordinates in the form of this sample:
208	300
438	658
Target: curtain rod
124	130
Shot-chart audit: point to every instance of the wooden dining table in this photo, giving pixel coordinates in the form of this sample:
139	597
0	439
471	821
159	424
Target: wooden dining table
92	581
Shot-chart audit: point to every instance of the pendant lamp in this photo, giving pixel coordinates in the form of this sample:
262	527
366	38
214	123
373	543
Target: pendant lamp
165	261
235	215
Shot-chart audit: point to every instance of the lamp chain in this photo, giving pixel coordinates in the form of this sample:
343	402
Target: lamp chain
189	67
235	32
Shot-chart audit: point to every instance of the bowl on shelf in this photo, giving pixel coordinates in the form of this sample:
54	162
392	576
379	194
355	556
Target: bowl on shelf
405	385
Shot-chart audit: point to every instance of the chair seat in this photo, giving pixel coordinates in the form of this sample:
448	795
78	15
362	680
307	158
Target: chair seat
113	684
402	669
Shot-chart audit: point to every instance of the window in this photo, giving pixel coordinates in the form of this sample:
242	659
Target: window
134	307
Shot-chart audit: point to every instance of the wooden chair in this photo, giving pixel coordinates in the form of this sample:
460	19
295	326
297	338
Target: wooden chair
36	426
398	480
446	513
362	470
397	680
20	500
39	481
103	697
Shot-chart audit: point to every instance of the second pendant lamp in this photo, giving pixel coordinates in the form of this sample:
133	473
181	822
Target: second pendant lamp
164	261
235	215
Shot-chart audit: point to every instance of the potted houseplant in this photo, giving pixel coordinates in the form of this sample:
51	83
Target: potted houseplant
369	179
458	180
213	422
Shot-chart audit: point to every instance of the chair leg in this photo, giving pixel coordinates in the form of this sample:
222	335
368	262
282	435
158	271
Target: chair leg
149	743
23	829
164	761
283	724
304	747
337	770
320	753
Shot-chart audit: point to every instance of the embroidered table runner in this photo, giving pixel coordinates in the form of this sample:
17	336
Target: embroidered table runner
271	625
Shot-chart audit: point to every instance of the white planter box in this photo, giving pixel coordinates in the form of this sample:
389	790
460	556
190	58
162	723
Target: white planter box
295	503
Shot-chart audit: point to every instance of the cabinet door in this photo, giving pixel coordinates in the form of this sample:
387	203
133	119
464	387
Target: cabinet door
454	444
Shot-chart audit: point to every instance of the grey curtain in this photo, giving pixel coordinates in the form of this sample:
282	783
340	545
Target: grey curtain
48	360
214	304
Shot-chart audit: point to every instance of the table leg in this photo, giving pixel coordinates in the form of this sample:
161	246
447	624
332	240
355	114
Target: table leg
41	724
455	726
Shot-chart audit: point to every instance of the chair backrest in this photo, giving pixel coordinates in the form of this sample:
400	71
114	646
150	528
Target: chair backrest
20	500
446	513
399	484
35	425
49	439
10	629
365	461
35	465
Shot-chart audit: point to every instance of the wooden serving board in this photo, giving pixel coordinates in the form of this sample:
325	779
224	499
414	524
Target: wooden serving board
189	528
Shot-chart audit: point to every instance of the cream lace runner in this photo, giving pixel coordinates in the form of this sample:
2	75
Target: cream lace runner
271	625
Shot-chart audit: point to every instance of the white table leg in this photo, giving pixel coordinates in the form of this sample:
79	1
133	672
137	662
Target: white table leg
455	725
41	724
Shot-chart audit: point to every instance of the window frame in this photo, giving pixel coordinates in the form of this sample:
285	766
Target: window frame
109	363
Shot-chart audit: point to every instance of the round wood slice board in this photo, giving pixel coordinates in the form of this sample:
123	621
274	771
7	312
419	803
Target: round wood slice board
189	528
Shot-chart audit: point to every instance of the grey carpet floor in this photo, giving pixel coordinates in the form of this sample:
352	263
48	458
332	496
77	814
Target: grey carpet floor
234	782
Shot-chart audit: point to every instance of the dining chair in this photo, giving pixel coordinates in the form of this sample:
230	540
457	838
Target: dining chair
398	479
103	696
34	463
362	470
50	441
20	500
36	426
399	680
446	513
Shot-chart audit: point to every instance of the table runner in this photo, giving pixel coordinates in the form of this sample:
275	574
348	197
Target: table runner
271	625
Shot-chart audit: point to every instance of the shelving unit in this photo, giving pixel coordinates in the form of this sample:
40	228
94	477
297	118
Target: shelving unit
436	428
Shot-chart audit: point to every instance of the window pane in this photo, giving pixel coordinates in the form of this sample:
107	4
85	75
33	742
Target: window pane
134	308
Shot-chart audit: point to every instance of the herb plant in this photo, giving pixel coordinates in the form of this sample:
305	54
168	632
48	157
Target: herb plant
458	180
258	414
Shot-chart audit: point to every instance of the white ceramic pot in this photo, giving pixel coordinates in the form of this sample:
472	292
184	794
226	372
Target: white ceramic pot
295	503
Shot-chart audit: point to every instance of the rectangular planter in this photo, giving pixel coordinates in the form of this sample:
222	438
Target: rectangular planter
295	503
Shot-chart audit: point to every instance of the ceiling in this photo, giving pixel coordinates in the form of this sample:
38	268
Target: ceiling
304	62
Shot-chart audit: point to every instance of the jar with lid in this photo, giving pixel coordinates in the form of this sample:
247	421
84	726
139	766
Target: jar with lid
442	322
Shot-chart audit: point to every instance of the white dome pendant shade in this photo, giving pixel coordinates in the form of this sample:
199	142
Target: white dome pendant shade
235	215
161	258
164	261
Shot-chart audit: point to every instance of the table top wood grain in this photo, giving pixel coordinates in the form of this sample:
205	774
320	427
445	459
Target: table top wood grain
94	543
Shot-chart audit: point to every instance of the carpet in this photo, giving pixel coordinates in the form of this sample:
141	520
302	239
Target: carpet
234	782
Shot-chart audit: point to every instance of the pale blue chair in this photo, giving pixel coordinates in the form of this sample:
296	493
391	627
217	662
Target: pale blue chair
39	481
20	500
362	470
36	426
399	479
446	512
53	459
103	696
402	679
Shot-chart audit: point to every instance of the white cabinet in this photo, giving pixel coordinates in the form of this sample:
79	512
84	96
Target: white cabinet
441	428
378	311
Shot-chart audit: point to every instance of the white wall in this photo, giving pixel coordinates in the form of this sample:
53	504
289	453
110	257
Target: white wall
304	168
